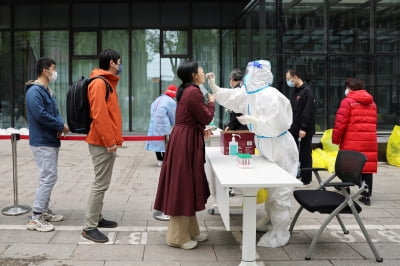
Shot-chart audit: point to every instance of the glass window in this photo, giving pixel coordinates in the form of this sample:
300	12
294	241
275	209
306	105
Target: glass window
342	67
145	15
115	15
83	68
119	41
387	26
207	53
205	14
55	47
145	75
5	16
387	96
175	42
85	43
257	33
174	14
26	52
26	16
55	16
264	33
302	26
6	81
85	15
312	69
349	26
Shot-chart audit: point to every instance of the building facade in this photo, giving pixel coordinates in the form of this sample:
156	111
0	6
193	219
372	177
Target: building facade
327	40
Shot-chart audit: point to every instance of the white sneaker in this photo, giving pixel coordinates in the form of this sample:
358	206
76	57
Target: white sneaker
159	163
188	245
200	238
52	217
39	224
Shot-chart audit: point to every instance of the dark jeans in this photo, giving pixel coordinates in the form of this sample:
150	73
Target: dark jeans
368	180
160	155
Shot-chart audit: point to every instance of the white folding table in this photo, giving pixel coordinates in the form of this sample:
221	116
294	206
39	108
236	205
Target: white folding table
223	173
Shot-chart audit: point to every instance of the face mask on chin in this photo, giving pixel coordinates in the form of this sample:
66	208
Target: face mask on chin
346	91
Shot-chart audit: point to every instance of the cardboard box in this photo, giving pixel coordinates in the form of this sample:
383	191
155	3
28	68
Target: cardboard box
245	141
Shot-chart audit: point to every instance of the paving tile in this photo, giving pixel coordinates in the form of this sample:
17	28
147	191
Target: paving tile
25	236
298	263
35	250
143	263
129	201
228	252
108	252
70	263
271	254
388	251
196	263
368	262
204	253
322	251
3	247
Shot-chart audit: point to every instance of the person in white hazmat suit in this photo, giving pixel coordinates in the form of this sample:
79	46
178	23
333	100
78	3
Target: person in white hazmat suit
268	114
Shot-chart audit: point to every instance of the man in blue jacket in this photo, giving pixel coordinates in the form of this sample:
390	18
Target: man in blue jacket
45	127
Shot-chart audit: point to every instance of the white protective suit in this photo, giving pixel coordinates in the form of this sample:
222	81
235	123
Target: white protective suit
267	113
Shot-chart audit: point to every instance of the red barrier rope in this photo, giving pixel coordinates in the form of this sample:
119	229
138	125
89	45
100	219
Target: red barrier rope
80	137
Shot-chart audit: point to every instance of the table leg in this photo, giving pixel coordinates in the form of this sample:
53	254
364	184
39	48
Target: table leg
249	228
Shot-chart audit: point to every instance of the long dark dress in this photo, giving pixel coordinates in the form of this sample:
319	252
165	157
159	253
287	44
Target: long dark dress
182	187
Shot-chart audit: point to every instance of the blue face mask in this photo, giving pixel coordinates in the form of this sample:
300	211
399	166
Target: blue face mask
120	68
290	83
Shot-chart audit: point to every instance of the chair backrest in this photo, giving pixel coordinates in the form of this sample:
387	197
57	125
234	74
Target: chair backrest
349	166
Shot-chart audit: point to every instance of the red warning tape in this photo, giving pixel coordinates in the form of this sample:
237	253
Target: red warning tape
73	137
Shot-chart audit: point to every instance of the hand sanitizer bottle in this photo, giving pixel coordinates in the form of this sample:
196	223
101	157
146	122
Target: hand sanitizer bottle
233	146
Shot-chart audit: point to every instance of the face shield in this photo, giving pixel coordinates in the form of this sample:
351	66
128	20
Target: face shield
258	76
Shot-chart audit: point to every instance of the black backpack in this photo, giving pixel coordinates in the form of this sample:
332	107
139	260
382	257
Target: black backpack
78	109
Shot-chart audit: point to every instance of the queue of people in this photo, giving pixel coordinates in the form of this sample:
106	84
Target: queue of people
183	188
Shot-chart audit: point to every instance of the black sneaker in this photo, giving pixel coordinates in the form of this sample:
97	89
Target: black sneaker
94	235
107	224
365	200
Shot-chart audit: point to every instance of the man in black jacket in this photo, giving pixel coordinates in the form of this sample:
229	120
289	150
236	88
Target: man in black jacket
303	126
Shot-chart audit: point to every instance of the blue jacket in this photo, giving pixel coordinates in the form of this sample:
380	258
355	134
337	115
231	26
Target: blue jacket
161	121
44	119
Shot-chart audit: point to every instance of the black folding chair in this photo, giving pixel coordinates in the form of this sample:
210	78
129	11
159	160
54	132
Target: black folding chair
348	169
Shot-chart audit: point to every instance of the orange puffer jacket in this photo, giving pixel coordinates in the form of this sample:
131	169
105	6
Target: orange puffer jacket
355	127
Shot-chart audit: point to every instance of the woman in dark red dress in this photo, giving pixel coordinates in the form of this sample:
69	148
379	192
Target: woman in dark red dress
183	188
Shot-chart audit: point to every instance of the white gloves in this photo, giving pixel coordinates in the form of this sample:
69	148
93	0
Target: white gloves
247	119
211	82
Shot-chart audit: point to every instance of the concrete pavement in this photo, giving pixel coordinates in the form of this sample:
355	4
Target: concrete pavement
140	239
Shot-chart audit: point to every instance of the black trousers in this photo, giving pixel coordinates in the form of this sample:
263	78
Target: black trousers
368	180
305	150
160	155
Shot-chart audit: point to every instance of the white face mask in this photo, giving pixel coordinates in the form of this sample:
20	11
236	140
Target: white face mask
346	91
53	76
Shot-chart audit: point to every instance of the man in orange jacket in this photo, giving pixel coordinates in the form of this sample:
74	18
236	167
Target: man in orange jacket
104	137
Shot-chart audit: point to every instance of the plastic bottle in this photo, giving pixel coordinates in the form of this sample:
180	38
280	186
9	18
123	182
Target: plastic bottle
233	145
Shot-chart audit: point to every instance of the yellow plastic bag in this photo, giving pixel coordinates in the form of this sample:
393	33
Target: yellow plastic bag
393	147
331	160
326	141
318	158
323	159
262	195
